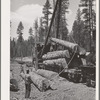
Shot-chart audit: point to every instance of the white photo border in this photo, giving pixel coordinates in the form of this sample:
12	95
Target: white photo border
5	49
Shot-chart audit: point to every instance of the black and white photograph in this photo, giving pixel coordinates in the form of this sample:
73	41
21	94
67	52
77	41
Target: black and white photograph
52	50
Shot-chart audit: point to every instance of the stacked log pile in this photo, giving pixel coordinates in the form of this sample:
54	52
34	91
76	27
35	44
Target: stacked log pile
56	60
59	59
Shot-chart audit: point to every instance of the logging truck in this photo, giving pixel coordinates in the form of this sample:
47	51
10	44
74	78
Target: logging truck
72	62
76	67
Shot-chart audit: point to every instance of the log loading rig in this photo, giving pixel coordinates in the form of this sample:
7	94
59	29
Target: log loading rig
79	68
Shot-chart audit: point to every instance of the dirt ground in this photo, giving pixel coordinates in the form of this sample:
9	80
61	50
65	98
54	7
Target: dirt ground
65	90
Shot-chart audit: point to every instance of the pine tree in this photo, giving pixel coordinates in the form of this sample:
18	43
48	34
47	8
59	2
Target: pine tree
12	48
31	41
30	31
41	31
47	13
31	36
78	30
20	28
88	17
20	38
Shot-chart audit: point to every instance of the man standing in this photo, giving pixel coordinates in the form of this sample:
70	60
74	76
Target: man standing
27	84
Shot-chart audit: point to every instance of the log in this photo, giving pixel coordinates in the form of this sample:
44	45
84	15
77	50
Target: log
47	74
69	45
40	82
56	54
61	62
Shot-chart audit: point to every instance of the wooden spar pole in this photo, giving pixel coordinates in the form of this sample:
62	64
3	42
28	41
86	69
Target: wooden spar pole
58	20
53	15
59	10
54	19
54	4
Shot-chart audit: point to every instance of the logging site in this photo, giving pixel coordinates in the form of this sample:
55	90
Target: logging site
53	50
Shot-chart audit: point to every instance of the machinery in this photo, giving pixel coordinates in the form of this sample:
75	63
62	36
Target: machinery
80	68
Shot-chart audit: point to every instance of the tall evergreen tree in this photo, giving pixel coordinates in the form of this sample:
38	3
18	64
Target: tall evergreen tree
47	13
31	41
20	38
41	31
88	17
31	36
36	40
78	30
30	31
12	44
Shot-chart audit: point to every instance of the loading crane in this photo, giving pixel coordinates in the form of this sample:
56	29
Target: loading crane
77	70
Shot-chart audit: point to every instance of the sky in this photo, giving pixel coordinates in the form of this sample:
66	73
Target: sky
28	11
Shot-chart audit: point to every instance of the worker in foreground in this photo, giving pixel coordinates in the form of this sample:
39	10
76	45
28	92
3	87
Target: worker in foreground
27	84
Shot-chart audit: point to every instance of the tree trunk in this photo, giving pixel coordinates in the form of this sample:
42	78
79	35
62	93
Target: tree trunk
36	52
21	53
